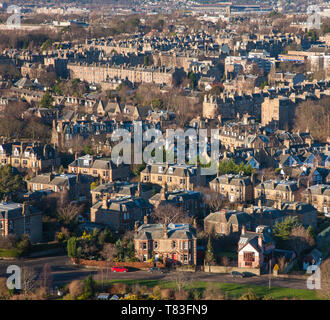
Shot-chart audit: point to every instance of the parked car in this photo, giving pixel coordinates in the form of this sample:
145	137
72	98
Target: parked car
236	274
154	269
118	269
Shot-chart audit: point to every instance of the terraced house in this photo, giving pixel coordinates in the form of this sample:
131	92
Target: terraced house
171	243
174	176
275	190
77	186
235	188
37	157
102	168
319	197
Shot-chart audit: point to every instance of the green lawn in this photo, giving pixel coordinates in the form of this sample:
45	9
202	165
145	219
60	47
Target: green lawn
230	290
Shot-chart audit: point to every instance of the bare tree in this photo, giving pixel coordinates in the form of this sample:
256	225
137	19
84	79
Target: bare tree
46	277
300	240
181	279
325	279
68	213
212	198
28	280
109	251
170	214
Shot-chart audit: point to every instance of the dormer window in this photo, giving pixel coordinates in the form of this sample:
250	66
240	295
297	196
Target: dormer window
160	169
170	170
16	152
26	153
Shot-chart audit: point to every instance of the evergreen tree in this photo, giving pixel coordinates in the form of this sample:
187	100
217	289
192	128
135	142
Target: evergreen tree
209	255
72	247
9	182
282	230
47	100
89	287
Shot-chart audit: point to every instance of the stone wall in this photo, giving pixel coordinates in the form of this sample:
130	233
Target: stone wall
222	269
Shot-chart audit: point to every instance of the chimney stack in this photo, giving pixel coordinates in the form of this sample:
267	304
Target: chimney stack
243	230
165	235
105	202
145	219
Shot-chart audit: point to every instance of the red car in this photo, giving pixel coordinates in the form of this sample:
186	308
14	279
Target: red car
118	269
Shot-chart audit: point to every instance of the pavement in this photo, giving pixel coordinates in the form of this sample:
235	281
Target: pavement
63	271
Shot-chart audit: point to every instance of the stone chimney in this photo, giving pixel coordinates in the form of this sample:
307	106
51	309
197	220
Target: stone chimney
105	202
195	224
165	235
136	226
259	203
243	230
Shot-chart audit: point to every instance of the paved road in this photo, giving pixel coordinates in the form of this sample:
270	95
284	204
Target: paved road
63	271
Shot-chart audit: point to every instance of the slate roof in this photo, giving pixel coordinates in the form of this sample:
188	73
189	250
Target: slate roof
174	231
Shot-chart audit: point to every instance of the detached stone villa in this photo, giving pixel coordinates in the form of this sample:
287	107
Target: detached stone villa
19	219
168	242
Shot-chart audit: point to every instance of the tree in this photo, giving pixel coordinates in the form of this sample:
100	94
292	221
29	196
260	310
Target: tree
109	252
69	212
167	213
315	117
47	100
28	280
325	279
89	287
300	240
211	198
9	182
76	288
209	254
46	278
282	230
72	247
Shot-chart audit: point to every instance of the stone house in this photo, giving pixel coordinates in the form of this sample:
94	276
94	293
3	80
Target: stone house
227	222
254	248
37	157
174	176
120	213
235	188
19	219
171	243
102	168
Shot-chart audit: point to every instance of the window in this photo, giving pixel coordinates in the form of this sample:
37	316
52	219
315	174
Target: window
160	178
185	258
94	171
1	225
169	179
144	246
173	244
249	256
156	245
185	245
